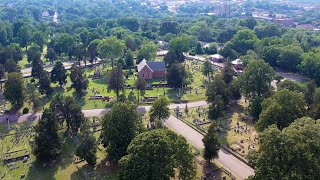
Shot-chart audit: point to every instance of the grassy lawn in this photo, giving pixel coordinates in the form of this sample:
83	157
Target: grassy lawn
65	168
195	92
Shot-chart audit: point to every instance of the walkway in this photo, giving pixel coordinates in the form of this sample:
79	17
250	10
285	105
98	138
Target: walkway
229	162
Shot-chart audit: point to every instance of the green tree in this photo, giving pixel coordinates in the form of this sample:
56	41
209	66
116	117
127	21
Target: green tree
270	54
141	85
79	80
33	96
282	108
290	57
39	39
169	27
115	80
256	78
243	41
59	74
14	88
11	66
68	110
227	72
290	153
148	51
314	110
217	87
216	108
120	126
207	68
249	23
179	45
159	111
256	107
93	49
34	53
310	65
88	148
111	48
129	59
2	73
44	83
47	142
176	75
37	68
51	55
169	156
211	144
24	35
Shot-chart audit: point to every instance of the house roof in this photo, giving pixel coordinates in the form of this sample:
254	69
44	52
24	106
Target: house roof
152	65
217	56
236	62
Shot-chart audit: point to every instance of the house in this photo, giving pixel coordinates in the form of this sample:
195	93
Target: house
151	70
216	58
237	66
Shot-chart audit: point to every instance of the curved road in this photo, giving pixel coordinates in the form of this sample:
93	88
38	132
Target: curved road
231	163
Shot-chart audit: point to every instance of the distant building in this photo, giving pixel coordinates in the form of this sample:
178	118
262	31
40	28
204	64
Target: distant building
151	70
237	66
216	58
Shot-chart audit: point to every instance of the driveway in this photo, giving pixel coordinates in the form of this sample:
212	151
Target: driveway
229	162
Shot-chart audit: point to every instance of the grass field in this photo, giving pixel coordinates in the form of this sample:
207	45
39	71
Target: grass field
195	92
64	168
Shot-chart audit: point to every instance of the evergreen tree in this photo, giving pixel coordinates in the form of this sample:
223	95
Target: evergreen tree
47	142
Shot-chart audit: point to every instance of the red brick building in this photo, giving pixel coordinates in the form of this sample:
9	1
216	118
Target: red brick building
151	70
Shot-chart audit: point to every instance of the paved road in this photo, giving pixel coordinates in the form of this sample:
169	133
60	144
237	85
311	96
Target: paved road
229	162
92	112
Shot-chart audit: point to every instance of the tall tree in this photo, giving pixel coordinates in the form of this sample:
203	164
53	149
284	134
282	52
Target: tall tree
47	142
169	27
44	83
148	51
120	126
216	108
116	80
14	88
227	72
169	156
37	68
290	153
159	111
67	109
24	35
282	108
176	75
59	74
179	45
34	53
217	87
11	66
207	68
93	49
129	59
256	78
141	85
51	55
88	148
211	144
111	48
78	79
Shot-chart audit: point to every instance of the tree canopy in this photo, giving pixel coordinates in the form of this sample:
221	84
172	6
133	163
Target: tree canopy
168	155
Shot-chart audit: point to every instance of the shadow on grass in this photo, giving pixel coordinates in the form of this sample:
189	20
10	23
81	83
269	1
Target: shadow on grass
101	171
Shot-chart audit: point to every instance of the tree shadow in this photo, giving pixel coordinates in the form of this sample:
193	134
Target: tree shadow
103	170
